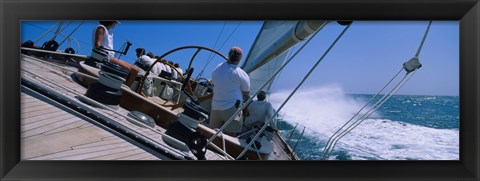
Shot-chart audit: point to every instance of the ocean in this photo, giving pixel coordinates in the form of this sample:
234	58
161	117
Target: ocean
406	127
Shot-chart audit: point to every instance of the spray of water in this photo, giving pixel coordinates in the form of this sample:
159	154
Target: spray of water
325	109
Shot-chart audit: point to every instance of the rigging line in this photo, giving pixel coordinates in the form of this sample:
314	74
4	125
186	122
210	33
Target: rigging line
48	31
298	141
363	117
371	111
78	44
226	40
424	37
261	87
69	35
119	54
370	101
291	134
357	123
296	88
276	80
218	38
59	31
215	45
402	83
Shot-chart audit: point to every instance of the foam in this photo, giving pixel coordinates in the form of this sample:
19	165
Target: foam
325	109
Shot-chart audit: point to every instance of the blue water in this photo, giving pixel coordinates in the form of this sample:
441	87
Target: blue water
405	128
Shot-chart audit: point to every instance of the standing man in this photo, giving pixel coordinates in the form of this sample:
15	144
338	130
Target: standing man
231	88
260	112
103	39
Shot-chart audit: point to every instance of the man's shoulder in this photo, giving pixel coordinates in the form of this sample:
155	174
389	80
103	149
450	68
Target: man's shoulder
218	66
242	72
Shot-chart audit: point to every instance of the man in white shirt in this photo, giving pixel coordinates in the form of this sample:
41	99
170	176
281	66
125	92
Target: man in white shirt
173	69
180	72
146	62
231	88
260	112
167	68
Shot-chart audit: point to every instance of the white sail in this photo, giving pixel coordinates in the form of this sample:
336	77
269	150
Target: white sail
260	75
271	46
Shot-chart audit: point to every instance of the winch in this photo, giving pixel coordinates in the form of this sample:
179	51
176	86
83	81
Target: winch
107	89
183	128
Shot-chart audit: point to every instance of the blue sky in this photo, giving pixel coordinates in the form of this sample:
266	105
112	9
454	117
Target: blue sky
363	61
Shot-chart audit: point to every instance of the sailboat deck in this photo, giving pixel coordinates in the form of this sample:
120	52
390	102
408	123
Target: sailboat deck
51	131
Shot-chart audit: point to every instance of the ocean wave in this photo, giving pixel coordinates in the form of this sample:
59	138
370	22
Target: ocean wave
325	109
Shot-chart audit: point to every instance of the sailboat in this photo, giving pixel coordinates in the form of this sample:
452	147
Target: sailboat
76	107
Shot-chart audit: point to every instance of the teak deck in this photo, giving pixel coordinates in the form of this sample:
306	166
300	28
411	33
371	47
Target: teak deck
50	131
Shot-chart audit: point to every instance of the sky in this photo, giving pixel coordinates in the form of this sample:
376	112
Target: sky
368	55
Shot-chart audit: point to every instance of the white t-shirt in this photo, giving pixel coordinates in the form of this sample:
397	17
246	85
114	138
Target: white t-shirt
174	73
180	71
146	60
107	40
167	68
260	111
162	67
229	81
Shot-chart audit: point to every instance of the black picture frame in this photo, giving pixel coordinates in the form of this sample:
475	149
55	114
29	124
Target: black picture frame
12	12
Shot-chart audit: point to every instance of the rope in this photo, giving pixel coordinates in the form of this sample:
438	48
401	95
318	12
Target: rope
298	86
423	40
215	45
124	45
300	138
208	62
371	99
333	140
261	87
60	30
291	134
336	137
68	36
48	31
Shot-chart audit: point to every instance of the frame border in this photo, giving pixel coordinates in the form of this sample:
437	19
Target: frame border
13	11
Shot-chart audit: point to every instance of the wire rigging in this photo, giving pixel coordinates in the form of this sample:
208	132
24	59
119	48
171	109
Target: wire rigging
226	40
296	88
214	47
410	66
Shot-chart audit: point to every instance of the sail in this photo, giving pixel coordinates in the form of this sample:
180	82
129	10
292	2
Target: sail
260	75
271	48
276	37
